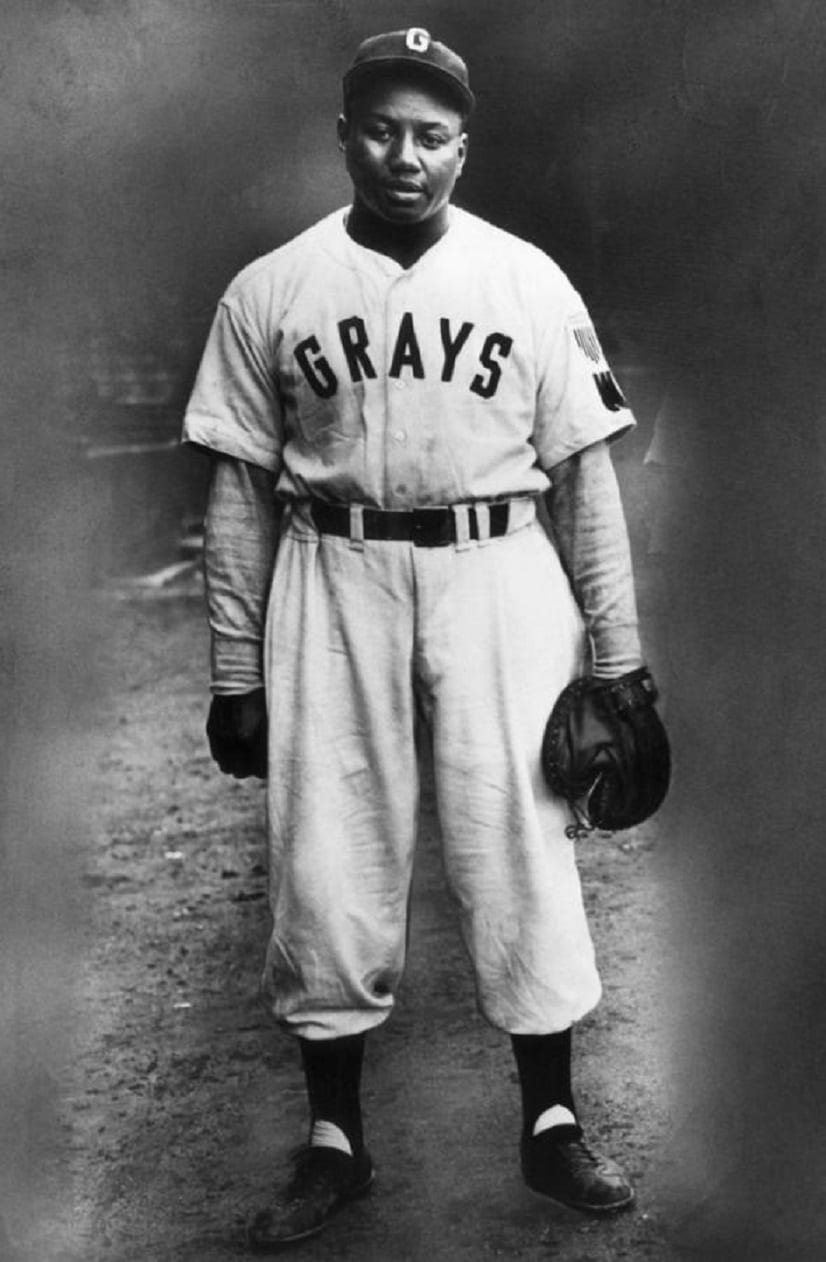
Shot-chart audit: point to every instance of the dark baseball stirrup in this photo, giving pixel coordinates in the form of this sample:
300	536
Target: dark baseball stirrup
424	527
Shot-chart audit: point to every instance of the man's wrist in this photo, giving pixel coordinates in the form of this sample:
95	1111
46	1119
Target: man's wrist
615	651
236	665
234	688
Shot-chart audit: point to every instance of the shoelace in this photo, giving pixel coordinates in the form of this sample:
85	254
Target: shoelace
581	1155
304	1178
581	812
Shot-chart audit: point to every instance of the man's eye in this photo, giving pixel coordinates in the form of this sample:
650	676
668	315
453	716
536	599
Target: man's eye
377	132
432	141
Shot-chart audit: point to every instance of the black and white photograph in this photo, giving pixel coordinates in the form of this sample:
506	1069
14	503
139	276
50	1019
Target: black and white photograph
412	632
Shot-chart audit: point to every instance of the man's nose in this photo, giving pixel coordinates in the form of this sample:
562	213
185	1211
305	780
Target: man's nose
404	154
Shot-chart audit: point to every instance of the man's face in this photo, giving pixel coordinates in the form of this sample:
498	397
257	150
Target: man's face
405	148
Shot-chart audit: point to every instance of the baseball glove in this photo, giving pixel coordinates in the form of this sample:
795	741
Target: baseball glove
606	752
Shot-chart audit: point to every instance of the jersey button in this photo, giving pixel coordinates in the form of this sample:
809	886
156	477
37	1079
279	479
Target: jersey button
400	435
399	384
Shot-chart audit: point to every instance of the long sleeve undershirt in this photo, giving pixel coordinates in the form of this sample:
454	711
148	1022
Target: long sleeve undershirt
240	541
592	538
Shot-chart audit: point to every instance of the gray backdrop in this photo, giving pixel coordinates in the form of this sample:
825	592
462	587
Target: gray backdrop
670	155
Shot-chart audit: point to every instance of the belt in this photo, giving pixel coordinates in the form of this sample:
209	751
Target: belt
424	527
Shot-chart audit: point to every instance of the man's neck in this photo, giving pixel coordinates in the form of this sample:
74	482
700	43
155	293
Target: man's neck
404	242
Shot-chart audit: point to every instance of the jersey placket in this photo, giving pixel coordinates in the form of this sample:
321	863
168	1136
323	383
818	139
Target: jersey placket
396	396
377	281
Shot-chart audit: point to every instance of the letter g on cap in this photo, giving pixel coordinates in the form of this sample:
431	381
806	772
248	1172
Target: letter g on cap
417	39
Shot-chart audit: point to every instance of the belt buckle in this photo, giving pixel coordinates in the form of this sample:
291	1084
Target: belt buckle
430	527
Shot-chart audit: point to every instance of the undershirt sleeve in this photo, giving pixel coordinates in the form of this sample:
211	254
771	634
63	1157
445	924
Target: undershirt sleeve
592	539
240	541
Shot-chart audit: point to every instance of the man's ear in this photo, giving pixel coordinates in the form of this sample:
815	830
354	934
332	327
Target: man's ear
343	129
463	144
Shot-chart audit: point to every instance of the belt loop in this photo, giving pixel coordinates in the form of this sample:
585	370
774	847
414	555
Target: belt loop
482	522
461	520
357	527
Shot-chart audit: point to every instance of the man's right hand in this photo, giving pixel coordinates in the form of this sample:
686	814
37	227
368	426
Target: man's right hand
237	733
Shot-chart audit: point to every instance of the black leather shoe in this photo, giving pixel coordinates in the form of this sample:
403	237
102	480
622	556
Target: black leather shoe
558	1163
324	1179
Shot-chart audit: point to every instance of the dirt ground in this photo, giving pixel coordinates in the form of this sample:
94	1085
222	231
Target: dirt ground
181	1101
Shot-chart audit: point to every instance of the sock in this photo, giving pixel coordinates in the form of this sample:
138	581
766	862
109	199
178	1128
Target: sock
328	1135
556	1115
543	1062
332	1069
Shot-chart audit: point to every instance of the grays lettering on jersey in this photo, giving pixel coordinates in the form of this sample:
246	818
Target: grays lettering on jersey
464	377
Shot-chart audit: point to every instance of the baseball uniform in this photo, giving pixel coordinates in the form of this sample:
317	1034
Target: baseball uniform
457	383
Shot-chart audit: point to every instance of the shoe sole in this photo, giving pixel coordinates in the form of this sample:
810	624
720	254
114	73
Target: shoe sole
286	1242
616	1207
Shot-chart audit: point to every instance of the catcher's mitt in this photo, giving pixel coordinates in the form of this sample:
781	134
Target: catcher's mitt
606	752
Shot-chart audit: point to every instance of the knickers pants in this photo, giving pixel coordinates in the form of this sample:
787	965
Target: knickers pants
483	637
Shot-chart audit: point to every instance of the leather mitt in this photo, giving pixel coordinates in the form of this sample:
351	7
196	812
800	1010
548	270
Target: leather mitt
606	752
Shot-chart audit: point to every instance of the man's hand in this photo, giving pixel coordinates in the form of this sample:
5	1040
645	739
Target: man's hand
606	752
237	734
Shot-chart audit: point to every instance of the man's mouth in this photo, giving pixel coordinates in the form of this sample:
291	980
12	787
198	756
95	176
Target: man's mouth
401	189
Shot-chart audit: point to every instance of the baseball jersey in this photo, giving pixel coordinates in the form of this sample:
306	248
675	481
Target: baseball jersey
466	376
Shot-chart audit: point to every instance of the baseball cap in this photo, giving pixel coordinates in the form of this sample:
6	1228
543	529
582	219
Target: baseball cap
413	47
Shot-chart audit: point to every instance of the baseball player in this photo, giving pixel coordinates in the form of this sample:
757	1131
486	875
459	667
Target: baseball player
385	397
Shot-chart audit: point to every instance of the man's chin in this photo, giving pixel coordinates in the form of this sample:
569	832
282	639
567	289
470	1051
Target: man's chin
404	212
405	219
400	212
401	207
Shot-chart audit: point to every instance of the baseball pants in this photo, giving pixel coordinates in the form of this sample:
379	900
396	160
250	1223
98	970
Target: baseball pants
482	637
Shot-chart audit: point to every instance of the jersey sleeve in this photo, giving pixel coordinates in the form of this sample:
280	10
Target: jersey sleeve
234	407
578	399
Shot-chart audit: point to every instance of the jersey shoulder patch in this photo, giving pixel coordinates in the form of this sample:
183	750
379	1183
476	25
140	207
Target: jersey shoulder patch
587	344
